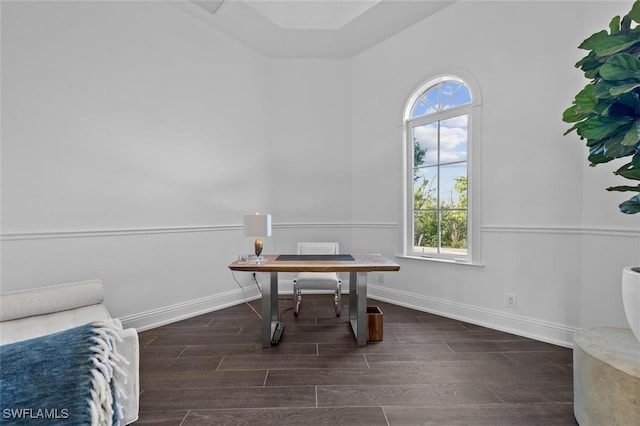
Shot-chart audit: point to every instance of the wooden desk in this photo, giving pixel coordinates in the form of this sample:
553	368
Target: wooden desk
357	269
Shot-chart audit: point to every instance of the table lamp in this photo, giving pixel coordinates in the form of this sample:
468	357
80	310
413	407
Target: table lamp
257	225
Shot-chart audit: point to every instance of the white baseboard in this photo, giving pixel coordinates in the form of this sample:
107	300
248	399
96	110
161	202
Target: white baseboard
180	311
557	334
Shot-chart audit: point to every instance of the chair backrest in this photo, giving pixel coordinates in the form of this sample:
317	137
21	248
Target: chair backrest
317	248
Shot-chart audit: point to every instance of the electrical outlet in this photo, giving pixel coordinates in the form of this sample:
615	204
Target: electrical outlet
510	300
380	277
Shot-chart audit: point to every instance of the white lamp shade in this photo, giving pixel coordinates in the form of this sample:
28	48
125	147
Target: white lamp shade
257	225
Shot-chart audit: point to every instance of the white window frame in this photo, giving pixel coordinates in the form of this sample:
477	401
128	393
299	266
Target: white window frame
473	110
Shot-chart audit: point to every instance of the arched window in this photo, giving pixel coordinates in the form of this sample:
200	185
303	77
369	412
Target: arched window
438	119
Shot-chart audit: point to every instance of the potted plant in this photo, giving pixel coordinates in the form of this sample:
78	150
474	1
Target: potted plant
606	113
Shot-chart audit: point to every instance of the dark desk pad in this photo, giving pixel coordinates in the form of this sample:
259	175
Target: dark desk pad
312	257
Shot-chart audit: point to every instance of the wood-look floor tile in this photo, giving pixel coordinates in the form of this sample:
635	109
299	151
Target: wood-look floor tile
476	372
201	379
562	358
387	346
423	328
550	414
220	350
287	361
157	352
494	346
204	339
401	375
161	418
350	416
206	330
252	349
427	394
179	364
436	358
455	336
533	391
224	397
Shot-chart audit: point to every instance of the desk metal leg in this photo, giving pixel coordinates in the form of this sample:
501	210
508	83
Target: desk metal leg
358	306
270	309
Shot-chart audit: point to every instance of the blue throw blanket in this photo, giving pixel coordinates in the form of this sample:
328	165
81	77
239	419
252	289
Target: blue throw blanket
62	378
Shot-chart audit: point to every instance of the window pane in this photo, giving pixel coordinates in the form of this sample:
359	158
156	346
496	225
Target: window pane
433	97
441	96
425	232
454	232
460	97
447	90
421	107
453	139
425	185
425	140
453	186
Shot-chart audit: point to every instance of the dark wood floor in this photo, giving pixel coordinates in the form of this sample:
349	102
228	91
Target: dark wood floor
428	370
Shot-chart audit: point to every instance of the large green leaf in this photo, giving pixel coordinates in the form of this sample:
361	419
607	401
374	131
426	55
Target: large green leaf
613	147
570	115
615	44
601	127
622	66
632	136
625	25
598	158
628	171
625	88
585	100
631	206
614	25
635	12
624	188
590	62
603	151
571	129
602	89
593	40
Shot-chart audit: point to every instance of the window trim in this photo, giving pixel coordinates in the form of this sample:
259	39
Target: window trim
473	165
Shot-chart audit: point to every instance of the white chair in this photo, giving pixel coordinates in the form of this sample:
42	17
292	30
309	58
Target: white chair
317	280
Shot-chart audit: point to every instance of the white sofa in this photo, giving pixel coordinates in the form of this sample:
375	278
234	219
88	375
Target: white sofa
37	312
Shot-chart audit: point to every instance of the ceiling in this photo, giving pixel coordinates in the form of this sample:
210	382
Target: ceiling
311	28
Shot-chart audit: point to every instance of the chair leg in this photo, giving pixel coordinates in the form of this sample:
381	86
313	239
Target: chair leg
337	300
297	298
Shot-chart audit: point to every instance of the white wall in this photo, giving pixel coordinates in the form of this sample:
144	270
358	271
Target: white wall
132	136
534	179
310	153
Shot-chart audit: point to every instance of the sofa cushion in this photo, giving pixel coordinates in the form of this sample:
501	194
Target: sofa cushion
45	300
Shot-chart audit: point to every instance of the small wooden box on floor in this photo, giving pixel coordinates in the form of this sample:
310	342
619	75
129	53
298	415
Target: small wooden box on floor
374	324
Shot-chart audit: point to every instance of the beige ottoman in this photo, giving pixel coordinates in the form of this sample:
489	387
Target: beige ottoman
606	377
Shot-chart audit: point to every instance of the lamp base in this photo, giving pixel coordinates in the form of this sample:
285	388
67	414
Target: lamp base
257	245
